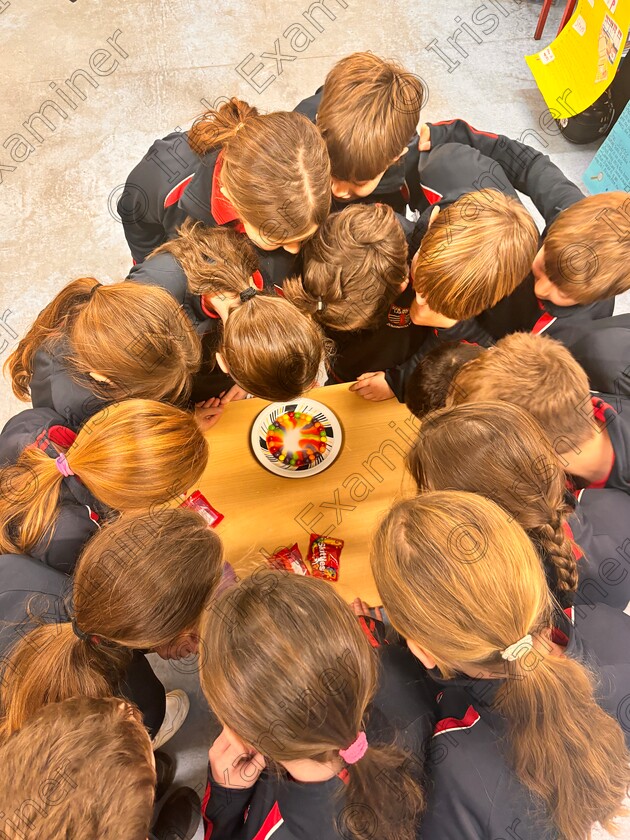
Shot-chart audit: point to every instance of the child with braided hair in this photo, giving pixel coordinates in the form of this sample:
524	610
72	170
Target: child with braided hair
499	451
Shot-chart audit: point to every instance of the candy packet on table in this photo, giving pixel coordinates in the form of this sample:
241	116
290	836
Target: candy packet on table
197	501
289	559
324	554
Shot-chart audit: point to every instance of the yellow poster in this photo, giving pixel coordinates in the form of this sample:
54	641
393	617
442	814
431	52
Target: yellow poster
576	68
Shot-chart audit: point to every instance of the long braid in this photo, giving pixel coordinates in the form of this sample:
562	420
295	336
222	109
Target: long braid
556	549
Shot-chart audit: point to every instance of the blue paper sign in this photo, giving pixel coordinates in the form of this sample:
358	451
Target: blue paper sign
610	168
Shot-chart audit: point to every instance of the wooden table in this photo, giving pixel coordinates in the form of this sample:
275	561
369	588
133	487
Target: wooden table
264	512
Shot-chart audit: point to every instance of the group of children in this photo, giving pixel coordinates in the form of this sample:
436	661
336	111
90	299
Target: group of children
340	242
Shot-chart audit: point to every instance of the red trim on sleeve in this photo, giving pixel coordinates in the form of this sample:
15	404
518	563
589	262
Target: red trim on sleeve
368	626
448	724
223	210
176	193
599	413
432	196
545	320
209	824
273	820
472	128
577	551
258	280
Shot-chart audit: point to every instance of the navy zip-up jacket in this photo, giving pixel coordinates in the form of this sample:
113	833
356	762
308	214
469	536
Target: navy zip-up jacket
473	792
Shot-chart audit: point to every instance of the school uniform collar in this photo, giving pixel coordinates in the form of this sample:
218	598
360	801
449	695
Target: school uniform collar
196	198
606	415
221	207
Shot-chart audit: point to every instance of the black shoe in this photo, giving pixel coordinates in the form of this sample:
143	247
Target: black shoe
165	770
179	816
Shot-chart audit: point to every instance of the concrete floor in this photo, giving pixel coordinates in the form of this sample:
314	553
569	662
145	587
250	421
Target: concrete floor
174	58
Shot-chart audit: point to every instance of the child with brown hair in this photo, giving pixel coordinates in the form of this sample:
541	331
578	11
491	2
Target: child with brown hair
140	586
530	736
584	256
540	375
499	451
289	674
258	340
58	485
85	768
81	768
367	112
355	284
265	175
476	252
94	345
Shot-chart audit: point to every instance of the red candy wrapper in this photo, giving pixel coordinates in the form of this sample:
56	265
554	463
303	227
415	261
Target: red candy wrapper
196	501
290	560
324	554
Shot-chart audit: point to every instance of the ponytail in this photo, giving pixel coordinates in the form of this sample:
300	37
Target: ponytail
216	127
29	500
454	559
562	745
140	583
52	664
215	260
275	168
50	322
130	456
354	268
382	786
499	450
268	689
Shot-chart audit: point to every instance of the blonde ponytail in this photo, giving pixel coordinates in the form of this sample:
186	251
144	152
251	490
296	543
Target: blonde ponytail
454	559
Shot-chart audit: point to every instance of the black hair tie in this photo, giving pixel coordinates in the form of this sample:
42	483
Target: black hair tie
93	289
248	294
85	637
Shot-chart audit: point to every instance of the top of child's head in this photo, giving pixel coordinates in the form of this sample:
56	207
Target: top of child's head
585	254
98	325
83	767
297	697
275	171
476	252
131	456
539	374
368	115
142	583
354	268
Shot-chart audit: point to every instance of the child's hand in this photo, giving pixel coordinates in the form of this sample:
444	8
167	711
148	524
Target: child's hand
234	393
373	386
232	764
208	413
424	143
359	608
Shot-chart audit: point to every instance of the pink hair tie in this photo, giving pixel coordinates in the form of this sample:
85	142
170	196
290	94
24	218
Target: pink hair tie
63	466
356	750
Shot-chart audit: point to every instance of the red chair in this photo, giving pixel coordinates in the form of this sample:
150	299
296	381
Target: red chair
544	12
